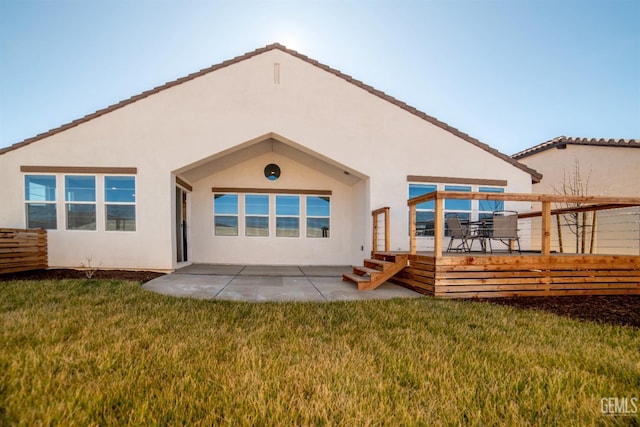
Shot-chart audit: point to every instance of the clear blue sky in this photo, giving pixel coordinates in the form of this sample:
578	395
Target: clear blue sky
512	73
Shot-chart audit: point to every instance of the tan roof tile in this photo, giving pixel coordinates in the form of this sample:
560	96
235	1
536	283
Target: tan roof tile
561	141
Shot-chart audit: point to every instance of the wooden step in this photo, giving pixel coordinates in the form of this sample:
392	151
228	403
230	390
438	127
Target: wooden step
355	278
376	271
361	271
378	264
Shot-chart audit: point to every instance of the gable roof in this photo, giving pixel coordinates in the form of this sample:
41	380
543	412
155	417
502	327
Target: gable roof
535	175
563	141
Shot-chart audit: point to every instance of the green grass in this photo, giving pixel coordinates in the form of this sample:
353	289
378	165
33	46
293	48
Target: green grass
96	352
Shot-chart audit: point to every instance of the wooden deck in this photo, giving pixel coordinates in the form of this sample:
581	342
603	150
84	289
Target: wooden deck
471	275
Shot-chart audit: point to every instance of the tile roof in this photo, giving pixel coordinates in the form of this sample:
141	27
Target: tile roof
563	141
535	175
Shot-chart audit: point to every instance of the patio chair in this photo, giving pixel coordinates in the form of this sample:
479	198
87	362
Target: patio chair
505	229
457	231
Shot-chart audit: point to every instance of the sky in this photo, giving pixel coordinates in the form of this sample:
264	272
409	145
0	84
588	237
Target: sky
511	73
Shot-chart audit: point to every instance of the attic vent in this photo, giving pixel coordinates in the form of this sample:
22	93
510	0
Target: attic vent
276	73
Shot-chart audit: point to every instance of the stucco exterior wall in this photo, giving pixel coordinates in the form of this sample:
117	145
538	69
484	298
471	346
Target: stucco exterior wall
611	171
339	248
180	128
605	171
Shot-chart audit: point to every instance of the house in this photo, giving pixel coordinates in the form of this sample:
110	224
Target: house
596	167
268	158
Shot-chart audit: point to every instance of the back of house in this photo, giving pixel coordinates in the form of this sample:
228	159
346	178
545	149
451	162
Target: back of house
268	158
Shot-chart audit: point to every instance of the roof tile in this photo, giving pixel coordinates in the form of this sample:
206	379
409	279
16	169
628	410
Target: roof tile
563	140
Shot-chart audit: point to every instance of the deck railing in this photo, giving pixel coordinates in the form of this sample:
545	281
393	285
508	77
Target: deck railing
381	230
22	250
541	211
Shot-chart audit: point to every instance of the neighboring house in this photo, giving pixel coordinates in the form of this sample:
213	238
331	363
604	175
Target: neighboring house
268	158
596	167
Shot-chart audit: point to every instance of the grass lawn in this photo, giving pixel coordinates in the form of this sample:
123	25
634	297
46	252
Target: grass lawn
99	352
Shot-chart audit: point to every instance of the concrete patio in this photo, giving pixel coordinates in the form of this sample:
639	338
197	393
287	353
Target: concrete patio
256	283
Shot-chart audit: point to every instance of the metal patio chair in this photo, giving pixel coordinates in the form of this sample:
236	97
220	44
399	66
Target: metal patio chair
505	229
458	232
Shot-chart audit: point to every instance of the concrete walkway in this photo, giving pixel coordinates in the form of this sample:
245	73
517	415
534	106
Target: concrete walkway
268	283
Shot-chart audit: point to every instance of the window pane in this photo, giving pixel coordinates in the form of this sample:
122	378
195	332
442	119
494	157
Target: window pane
288	205
455	204
40	188
416	190
226	225
80	188
287	227
491	205
256	204
257	226
425	221
120	189
121	218
81	217
41	215
318	206
317	227
225	204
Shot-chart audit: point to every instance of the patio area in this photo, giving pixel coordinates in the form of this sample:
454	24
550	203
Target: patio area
256	283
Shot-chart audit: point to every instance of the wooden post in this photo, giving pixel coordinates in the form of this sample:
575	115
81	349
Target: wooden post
412	229
559	233
546	228
593	231
438	229
584	232
387	231
374	244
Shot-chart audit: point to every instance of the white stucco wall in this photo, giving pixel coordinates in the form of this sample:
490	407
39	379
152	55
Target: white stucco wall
605	171
177	128
339	248
610	171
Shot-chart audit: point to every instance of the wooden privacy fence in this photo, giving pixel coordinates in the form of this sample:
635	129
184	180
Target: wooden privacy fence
22	250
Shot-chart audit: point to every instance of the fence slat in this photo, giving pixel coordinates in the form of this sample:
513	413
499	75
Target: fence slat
22	250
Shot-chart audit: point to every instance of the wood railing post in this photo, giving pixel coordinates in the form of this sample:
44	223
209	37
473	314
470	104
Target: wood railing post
546	228
438	229
374	244
387	231
412	229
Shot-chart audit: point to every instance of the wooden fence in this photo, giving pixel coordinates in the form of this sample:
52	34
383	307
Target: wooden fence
22	250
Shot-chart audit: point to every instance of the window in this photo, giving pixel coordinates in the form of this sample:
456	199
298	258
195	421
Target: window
256	211
487	207
425	215
318	216
40	197
469	210
80	195
120	199
457	207
225	209
287	216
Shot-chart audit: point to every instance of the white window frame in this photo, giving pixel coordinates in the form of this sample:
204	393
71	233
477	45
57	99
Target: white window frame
107	203
28	201
68	203
276	215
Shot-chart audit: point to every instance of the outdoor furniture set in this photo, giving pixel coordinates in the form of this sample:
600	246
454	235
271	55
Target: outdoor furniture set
502	226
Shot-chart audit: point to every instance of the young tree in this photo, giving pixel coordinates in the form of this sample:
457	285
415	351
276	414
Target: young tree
573	184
